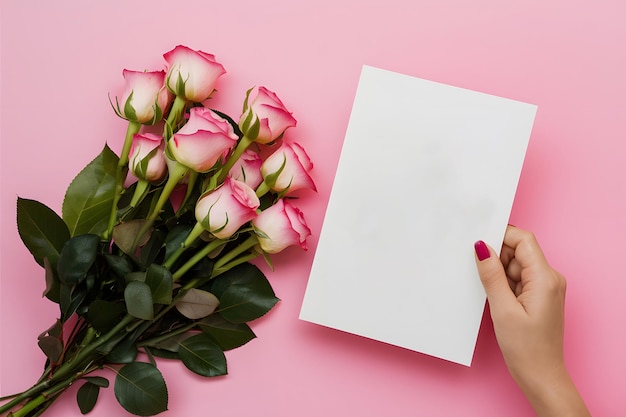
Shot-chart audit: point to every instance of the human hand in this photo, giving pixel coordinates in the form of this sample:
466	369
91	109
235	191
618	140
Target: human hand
527	302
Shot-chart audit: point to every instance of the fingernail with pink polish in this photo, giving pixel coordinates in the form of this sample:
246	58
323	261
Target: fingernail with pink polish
482	251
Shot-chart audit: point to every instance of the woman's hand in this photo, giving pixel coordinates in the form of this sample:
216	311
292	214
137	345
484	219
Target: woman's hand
527	302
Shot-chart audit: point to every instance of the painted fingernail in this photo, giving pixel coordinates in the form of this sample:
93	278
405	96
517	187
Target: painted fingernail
482	251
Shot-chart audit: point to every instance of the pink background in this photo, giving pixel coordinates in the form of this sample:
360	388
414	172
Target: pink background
60	60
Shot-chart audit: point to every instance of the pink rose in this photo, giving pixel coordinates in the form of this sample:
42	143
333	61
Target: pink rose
203	140
296	166
267	113
192	74
248	169
147	159
280	226
145	98
224	210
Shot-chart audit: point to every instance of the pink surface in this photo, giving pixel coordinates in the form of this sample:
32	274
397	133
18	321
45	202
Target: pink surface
60	60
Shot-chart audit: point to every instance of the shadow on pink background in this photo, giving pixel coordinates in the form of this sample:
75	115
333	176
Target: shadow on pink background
60	60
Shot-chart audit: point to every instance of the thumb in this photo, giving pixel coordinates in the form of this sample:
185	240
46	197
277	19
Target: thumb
493	277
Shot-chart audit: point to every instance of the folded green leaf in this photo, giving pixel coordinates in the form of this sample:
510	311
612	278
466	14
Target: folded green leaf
43	232
226	334
203	356
140	389
89	197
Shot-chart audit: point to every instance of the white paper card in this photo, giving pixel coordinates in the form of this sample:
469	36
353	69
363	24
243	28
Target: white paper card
426	169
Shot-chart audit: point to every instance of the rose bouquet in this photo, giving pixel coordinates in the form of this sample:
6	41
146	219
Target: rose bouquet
156	264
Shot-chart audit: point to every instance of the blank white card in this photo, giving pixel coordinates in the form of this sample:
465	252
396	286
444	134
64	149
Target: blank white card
426	169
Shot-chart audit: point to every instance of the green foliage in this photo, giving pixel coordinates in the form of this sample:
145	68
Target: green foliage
140	389
244	293
203	356
134	274
51	346
160	281
227	335
196	303
43	232
76	258
90	195
127	300
87	396
138	299
104	315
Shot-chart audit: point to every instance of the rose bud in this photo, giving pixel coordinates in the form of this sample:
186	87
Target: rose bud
192	74
224	210
145	98
266	118
203	140
280	226
147	159
287	169
248	169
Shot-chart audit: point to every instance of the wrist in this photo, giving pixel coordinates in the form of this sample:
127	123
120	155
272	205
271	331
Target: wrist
553	393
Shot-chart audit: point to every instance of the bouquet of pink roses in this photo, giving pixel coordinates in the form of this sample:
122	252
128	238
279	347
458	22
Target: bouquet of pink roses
161	266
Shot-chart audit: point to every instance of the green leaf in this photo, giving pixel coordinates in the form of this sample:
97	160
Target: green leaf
160	281
97	380
203	356
244	293
171	344
124	352
89	198
124	235
152	248
138	299
43	232
196	304
140	389
52	347
76	258
175	238
104	315
53	285
121	265
87	396
226	334
162	353
70	299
